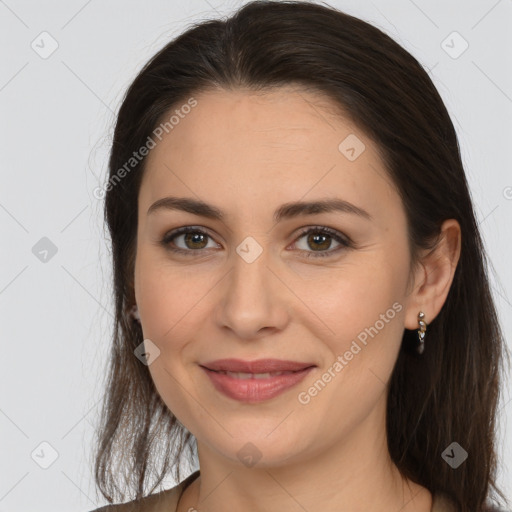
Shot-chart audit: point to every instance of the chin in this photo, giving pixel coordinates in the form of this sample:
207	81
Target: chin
262	450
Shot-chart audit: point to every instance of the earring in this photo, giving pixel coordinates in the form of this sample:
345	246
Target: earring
135	312
421	332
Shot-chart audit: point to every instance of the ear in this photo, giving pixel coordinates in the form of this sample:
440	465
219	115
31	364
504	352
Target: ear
434	276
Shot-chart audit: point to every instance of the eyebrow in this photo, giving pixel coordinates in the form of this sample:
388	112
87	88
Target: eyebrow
285	211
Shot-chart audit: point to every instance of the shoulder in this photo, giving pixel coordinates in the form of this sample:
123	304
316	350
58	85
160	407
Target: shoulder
164	501
155	502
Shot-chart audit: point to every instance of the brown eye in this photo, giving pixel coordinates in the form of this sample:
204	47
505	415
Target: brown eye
320	241
186	240
195	240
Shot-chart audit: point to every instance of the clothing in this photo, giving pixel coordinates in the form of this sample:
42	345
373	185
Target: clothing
167	501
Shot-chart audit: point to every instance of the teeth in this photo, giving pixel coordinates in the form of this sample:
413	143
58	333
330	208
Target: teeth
243	375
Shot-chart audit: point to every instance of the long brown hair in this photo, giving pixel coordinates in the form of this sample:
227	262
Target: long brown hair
450	393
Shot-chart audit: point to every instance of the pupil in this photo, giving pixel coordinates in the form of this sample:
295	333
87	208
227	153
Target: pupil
317	237
193	238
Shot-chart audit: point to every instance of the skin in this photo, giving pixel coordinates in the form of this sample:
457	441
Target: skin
247	154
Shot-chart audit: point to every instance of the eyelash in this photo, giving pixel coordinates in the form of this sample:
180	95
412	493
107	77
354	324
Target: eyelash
343	240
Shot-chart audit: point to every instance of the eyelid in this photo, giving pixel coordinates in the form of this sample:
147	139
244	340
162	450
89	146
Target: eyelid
342	239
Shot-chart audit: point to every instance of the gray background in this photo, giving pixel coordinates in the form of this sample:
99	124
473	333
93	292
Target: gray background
57	114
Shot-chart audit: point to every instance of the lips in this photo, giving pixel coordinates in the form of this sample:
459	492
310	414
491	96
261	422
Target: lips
254	388
259	366
255	381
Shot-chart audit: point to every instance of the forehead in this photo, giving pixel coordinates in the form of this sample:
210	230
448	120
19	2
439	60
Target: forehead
280	144
284	117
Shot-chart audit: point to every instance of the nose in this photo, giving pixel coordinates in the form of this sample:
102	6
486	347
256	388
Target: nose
253	299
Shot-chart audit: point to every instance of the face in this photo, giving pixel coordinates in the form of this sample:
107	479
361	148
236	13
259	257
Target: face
325	287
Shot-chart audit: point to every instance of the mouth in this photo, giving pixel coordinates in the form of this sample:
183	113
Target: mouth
255	386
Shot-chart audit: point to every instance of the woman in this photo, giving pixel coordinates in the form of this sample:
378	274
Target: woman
300	283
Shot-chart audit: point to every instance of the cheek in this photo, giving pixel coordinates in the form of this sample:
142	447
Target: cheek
346	300
364	314
170	302
361	312
169	296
